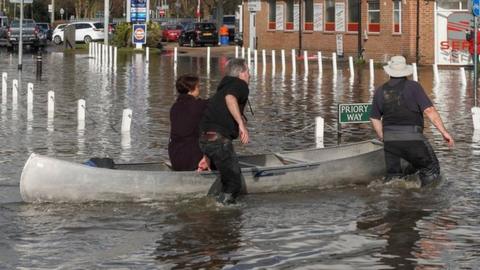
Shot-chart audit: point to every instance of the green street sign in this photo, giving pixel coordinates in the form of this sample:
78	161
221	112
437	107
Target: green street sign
354	113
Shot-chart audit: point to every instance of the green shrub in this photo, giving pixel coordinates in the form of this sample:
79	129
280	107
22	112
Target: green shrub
123	35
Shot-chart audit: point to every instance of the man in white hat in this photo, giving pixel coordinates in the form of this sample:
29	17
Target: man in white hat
397	117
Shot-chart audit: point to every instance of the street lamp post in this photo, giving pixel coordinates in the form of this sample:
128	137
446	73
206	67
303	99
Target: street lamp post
20	42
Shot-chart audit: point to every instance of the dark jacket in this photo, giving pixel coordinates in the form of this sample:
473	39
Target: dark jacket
185	116
217	116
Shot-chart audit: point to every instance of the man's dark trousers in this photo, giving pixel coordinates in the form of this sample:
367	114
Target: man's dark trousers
223	156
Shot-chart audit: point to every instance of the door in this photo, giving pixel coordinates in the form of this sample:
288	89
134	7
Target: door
252	33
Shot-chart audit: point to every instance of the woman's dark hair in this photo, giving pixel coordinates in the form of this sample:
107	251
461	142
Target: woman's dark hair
186	83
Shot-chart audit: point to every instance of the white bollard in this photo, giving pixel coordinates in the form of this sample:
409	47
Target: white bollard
305	61
249	58
294	62
29	94
243	52
51	104
29	101
255	61
175	55
126	120
14	92
4	87
147	55
208	60
334	64
115	53
236	51
273	62
264	61
319	131
90	49
81	114
283	61
352	70
415	73
435	73
320	63
476	117
372	71
463	76
110	56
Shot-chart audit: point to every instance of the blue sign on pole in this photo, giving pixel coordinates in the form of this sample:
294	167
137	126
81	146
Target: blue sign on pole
476	8
138	11
139	34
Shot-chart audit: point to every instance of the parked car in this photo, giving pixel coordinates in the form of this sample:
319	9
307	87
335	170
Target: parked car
84	32
199	34
229	21
31	34
171	32
3	27
46	29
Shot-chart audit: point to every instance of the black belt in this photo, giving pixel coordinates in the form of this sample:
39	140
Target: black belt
211	136
404	128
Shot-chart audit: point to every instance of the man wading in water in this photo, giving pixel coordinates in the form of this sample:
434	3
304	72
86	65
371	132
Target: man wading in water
223	122
397	117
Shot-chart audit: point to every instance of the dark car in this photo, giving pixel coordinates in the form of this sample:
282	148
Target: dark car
46	29
171	32
31	34
199	34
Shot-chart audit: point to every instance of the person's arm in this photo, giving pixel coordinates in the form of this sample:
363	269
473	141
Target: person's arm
377	125
436	120
234	109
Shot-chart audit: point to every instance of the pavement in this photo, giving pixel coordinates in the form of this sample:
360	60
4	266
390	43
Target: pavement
201	51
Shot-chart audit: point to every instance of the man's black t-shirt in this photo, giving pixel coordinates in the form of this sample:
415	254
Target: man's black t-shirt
217	117
413	95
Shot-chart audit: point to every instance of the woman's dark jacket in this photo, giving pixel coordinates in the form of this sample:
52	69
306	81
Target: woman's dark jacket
185	116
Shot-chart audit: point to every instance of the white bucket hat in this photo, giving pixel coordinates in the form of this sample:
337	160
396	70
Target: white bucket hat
397	67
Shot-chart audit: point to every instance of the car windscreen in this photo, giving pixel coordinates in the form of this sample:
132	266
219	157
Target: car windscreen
206	26
98	25
173	27
26	24
229	20
42	26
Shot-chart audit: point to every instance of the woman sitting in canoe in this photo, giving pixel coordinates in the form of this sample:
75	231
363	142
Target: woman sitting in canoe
185	116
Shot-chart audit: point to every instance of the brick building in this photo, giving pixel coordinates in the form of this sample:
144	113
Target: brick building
387	27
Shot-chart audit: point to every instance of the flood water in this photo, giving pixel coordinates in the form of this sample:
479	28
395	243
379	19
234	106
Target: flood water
348	228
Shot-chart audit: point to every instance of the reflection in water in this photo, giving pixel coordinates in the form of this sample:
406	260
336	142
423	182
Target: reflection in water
205	240
398	226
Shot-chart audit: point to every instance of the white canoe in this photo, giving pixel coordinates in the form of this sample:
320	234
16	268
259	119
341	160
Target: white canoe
47	179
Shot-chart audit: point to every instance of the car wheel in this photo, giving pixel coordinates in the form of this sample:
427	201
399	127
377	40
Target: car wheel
192	43
57	40
87	39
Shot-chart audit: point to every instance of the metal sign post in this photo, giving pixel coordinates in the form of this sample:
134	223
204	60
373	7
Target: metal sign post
20	42
476	13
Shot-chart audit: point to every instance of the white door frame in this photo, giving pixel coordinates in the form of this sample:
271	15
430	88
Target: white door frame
252	30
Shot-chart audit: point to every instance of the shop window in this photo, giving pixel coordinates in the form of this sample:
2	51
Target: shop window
289	15
374	16
352	15
272	15
308	15
330	15
397	17
453	4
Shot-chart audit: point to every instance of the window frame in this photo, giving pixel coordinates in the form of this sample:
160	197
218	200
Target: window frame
352	26
399	10
328	26
289	25
308	26
272	25
374	28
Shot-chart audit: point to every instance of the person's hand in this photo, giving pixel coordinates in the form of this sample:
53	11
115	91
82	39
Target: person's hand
243	134
203	164
448	139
